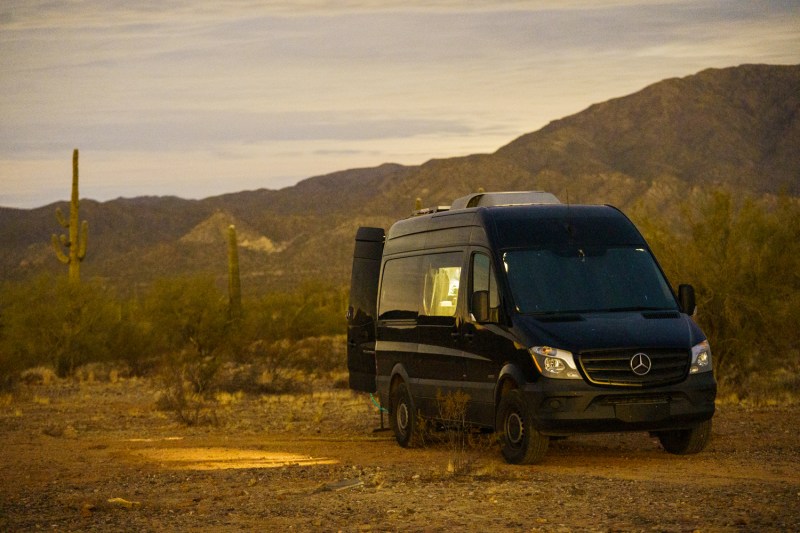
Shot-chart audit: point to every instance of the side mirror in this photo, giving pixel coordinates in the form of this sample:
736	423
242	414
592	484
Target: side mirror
686	299
480	306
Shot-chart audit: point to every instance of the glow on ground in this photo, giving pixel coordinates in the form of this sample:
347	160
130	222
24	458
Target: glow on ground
227	458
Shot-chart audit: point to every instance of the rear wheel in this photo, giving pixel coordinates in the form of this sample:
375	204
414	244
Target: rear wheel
520	442
402	415
686	441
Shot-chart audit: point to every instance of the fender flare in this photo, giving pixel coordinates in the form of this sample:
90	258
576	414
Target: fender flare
399	370
509	373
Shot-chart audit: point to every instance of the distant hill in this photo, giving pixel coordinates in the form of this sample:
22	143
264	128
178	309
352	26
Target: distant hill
738	127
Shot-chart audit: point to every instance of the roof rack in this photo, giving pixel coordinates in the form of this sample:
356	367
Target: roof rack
485	199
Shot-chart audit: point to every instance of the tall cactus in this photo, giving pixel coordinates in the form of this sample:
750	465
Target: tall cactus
75	242
234	284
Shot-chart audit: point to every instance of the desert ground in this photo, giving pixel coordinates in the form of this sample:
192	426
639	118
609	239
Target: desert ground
97	455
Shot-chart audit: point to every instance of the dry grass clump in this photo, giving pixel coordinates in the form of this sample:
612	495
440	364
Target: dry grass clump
466	444
194	386
6	399
40	375
778	386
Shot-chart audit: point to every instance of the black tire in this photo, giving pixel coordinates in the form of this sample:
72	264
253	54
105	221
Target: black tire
403	415
686	441
520	442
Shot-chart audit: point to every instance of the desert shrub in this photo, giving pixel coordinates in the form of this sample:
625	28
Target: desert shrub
320	355
40	375
187	387
285	366
187	313
286	334
453	412
9	369
10	364
313	310
267	351
49	321
188	320
743	257
132	341
272	367
465	443
255	378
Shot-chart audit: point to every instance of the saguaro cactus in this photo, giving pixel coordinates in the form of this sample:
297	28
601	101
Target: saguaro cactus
75	242
234	284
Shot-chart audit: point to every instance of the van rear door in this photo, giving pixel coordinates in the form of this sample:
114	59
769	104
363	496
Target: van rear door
362	309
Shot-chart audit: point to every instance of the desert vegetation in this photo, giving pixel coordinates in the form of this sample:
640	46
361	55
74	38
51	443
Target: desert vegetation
179	332
741	254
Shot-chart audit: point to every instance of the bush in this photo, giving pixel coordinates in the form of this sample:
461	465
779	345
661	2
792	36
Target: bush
314	310
51	321
188	320
743	257
187	314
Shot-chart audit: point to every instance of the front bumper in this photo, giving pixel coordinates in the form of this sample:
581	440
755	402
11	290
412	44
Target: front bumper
564	407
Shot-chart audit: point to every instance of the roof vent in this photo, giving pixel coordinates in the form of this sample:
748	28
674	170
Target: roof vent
485	199
430	210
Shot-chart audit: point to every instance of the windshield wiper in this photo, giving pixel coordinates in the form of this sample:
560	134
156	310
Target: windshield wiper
557	316
636	308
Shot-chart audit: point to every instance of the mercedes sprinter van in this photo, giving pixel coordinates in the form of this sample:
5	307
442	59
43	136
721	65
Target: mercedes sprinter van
551	319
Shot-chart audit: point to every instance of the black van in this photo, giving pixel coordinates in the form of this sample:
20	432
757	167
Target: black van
553	319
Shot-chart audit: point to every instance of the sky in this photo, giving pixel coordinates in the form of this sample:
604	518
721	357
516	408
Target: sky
200	98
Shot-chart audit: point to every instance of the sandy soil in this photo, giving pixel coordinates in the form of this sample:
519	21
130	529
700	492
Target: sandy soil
99	456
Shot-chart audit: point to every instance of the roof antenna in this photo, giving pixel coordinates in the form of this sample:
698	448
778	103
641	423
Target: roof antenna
570	228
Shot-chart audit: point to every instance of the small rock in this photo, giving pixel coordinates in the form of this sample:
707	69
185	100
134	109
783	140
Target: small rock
124	503
53	431
343	484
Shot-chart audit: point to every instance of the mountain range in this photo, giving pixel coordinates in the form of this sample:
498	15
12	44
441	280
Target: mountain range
737	127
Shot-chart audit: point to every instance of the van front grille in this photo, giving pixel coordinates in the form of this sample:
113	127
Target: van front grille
653	367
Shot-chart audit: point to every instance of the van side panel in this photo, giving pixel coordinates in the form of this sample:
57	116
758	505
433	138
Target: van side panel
362	312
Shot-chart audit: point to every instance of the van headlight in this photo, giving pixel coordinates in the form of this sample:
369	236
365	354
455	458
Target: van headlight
554	362
701	358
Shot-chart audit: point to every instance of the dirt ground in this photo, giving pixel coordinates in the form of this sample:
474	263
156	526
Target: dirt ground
99	456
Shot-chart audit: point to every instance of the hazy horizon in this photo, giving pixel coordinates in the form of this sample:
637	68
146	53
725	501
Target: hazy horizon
200	100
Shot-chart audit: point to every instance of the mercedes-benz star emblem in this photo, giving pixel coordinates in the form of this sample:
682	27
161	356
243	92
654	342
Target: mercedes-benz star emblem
641	364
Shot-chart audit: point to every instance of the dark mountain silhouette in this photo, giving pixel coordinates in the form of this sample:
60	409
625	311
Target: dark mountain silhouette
736	127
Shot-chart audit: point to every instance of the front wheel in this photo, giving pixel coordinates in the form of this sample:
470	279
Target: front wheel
520	442
402	415
686	441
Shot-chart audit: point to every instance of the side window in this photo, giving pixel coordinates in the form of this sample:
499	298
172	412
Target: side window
400	288
483	279
441	284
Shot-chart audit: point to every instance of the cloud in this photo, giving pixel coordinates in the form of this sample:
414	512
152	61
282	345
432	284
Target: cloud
295	88
76	14
180	130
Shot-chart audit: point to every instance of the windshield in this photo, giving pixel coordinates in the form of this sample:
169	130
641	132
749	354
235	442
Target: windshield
589	279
